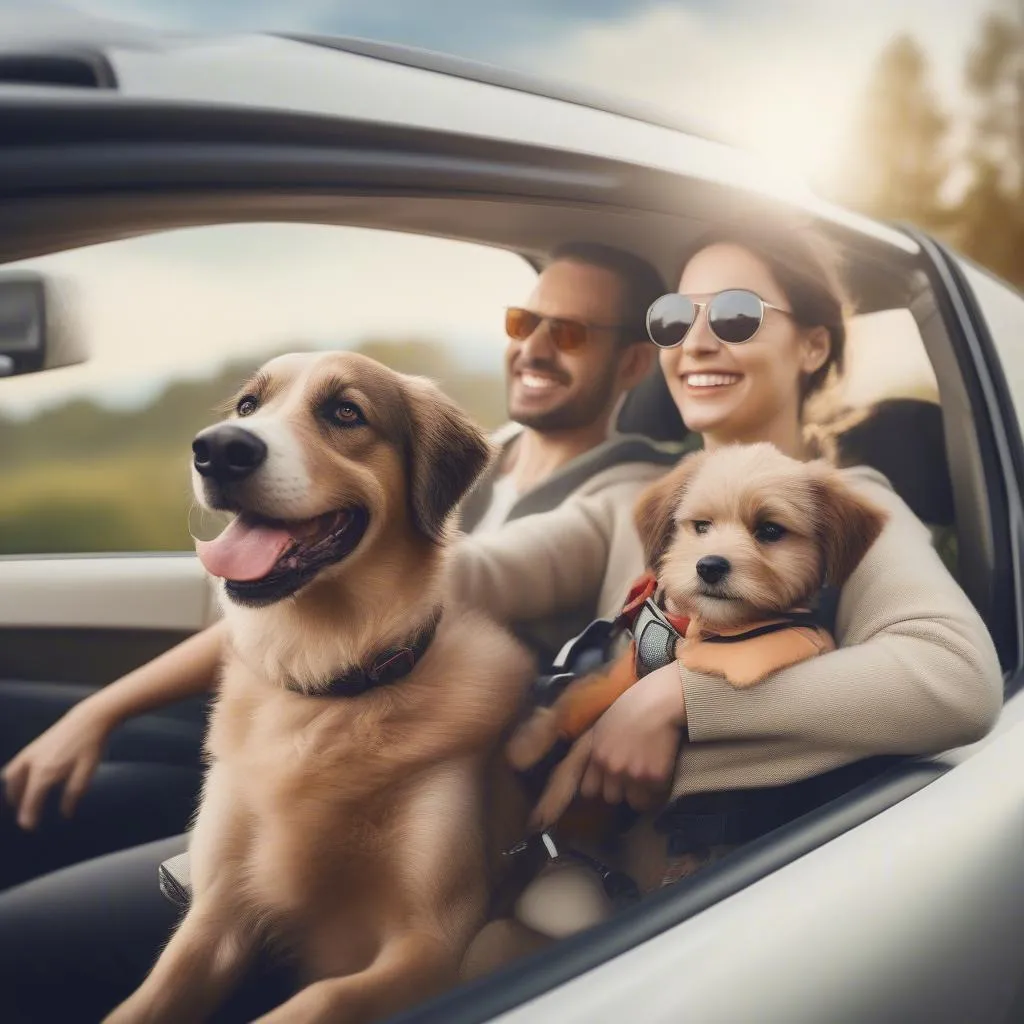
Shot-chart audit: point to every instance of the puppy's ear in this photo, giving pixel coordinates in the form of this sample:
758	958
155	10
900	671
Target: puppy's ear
656	506
447	451
847	524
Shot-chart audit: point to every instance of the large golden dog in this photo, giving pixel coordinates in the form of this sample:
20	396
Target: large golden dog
345	814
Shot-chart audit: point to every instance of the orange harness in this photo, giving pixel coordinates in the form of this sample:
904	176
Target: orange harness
742	656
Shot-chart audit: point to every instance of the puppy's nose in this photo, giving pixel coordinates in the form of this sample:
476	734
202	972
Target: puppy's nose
713	568
226	452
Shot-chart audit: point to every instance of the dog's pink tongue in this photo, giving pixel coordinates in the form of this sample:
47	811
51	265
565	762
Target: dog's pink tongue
244	551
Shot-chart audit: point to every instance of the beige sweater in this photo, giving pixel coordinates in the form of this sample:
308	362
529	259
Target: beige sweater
548	575
916	671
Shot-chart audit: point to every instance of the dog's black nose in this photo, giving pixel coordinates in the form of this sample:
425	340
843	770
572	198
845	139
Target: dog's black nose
226	452
713	568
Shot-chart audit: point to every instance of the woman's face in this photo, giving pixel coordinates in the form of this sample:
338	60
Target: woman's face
749	391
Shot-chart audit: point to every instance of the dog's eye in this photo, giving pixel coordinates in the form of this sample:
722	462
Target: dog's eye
701	526
246	405
769	533
345	414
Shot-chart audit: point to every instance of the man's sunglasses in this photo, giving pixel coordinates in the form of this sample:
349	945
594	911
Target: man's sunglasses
566	335
734	316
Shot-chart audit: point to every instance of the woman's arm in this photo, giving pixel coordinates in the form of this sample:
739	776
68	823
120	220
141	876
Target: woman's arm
916	671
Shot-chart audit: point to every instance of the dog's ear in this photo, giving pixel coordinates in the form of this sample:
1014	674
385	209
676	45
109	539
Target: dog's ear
847	524
655	509
447	451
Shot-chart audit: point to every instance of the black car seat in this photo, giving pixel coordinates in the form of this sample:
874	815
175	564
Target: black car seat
649	410
903	439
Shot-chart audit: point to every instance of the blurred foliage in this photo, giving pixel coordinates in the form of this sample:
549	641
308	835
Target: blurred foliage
911	161
900	166
80	477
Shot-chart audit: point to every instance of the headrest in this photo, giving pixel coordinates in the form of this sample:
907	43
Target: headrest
649	410
903	439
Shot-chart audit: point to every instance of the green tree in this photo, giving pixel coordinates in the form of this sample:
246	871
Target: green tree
990	222
897	164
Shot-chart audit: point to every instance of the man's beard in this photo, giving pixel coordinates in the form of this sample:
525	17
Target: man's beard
576	413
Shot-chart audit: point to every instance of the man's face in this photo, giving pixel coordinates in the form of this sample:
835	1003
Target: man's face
552	391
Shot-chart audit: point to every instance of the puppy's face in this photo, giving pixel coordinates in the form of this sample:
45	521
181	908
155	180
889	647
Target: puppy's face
323	458
746	532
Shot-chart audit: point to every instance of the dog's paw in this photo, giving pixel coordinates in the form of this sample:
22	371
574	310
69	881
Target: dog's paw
533	739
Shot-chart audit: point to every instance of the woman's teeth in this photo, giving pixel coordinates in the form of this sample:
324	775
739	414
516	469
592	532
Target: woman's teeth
711	380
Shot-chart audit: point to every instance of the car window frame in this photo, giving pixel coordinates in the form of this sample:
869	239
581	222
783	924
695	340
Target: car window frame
999	431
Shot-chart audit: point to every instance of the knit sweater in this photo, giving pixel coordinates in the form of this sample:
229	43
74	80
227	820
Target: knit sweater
915	671
583	511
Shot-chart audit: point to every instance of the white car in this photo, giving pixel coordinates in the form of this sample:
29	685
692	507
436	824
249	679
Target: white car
900	901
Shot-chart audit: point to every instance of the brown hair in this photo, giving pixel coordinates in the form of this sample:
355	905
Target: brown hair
641	282
806	267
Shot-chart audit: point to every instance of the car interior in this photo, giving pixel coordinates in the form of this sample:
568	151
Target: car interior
941	473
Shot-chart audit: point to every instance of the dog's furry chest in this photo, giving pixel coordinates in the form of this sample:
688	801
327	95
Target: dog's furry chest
336	810
342	809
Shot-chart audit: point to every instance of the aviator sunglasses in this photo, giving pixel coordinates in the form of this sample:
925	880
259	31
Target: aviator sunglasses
734	316
566	335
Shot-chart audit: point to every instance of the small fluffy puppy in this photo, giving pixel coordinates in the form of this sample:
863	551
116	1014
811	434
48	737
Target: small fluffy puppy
740	540
347	816
746	533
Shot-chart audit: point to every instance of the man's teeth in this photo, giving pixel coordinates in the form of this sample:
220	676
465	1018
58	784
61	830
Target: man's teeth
532	380
711	380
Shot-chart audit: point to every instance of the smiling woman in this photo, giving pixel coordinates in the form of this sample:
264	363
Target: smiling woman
756	329
94	458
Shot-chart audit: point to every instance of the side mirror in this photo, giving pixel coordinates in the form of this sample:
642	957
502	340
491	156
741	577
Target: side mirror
36	329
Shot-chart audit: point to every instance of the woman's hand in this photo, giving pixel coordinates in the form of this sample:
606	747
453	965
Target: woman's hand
68	752
636	742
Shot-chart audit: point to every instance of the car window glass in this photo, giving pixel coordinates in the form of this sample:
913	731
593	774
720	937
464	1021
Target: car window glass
95	458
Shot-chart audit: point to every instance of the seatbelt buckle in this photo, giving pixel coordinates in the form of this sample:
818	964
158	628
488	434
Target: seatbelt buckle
547	689
597	636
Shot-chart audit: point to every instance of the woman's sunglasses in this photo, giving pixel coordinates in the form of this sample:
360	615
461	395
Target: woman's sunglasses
566	335
734	317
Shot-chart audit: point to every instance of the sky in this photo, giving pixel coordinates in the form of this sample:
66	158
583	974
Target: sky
780	76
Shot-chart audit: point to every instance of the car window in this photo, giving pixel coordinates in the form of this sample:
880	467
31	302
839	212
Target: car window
1003	309
886	359
887	416
94	458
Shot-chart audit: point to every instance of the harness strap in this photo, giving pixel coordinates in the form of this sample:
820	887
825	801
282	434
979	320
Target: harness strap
789	621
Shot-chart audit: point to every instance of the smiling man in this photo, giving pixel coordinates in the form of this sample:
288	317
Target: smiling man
576	347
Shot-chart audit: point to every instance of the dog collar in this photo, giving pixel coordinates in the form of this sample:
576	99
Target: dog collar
387	666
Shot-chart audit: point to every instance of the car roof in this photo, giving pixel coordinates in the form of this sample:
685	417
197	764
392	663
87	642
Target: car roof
359	80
